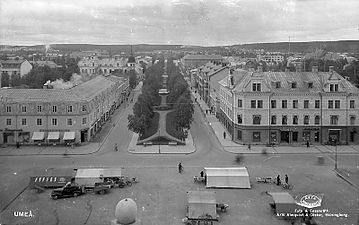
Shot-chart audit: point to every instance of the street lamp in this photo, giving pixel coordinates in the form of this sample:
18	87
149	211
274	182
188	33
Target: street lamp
334	142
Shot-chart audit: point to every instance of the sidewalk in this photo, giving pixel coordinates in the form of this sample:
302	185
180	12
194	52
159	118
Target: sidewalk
231	146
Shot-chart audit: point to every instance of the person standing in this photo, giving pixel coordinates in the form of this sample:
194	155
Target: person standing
224	135
202	173
278	180
307	143
286	179
180	168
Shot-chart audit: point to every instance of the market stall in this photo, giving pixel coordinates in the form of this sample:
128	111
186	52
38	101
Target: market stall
232	177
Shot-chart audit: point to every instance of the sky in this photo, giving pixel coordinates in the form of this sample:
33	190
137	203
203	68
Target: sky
180	22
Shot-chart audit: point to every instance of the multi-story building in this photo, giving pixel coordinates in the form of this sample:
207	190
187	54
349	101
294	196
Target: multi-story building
193	61
289	107
95	65
271	57
45	115
13	67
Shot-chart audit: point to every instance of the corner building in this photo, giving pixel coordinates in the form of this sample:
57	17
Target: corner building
289	107
53	114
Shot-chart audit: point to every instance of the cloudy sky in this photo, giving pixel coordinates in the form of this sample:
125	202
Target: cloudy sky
185	22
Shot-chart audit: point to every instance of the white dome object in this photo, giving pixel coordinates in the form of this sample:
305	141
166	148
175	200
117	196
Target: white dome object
126	211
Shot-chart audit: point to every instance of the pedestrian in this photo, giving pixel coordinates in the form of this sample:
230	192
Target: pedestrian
17	144
286	179
249	146
180	168
116	148
224	135
278	180
202	173
307	143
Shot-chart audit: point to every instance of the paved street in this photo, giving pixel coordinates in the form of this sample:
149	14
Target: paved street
160	194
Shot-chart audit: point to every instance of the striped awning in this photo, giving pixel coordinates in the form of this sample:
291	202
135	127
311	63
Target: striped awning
53	136
69	135
38	136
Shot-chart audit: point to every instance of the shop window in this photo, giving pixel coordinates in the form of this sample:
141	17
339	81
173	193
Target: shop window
316	136
256	136
306	135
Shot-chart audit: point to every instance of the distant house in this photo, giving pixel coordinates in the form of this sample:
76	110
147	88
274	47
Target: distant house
13	67
199	60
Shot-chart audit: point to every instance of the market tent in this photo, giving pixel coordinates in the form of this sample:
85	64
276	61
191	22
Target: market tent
232	177
202	204
53	136
38	136
112	172
68	136
283	202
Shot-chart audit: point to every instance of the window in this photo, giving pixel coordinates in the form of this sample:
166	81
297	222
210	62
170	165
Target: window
284	104
84	108
306	120
253	104
295	119
333	87
306	104
317	104
273	120
69	121
257	119
330	104
54	121
39	108
337	104
294	85
277	84
23	121
8	122
256	136
352	104
69	108
273	104
54	108
39	122
352	120
260	104
310	84
256	86
295	104
334	120
284	120
240	103
84	121
316	120
8	109
239	134
23	108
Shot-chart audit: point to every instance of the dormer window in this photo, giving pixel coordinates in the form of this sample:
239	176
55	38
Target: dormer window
256	87
277	84
294	85
333	87
310	85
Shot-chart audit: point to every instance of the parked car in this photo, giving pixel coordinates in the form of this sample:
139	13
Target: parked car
69	190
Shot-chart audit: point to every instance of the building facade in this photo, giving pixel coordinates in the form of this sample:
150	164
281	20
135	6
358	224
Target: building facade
50	115
13	67
94	65
194	61
289	107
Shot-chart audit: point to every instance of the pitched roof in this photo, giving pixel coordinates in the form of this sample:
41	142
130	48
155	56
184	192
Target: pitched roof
199	57
82	92
11	63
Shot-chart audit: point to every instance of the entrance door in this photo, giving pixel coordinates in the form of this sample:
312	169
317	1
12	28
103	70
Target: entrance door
284	136
84	135
316	136
334	135
295	136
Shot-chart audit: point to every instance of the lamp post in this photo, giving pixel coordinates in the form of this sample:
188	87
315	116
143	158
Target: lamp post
334	142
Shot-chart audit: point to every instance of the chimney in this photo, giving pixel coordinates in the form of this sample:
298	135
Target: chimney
315	69
298	67
331	69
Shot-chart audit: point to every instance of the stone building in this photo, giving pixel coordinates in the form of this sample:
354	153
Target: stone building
289	107
53	115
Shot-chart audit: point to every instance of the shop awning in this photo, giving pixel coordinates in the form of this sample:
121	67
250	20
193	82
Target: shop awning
53	136
38	136
69	135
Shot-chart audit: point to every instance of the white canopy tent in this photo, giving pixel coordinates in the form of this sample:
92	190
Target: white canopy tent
232	177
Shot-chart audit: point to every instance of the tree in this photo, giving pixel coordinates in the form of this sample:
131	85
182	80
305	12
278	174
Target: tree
5	79
133	78
137	124
184	111
15	80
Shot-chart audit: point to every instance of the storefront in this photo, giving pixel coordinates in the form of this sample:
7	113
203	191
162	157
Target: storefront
53	138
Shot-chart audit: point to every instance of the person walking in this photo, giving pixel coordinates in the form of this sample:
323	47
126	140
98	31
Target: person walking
201	173
307	143
180	168
286	179
278	180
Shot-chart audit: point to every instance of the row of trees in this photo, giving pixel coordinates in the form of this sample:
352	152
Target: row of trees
40	74
179	97
143	113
